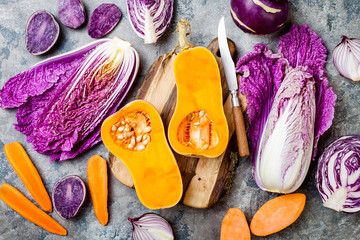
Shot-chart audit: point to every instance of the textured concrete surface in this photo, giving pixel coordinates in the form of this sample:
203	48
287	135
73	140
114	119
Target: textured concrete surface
329	18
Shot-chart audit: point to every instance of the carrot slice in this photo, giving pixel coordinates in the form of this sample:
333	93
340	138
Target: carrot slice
98	184
235	226
14	199
277	214
27	172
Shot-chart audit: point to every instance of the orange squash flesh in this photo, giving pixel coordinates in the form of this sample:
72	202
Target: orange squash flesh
98	184
156	175
14	199
235	226
277	214
27	172
198	126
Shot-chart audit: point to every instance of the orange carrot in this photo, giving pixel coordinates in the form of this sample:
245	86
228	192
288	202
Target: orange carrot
14	199
27	172
277	214
235	226
98	184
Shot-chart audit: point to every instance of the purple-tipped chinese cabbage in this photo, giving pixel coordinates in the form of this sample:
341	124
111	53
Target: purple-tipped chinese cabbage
288	134
289	107
338	175
63	100
150	18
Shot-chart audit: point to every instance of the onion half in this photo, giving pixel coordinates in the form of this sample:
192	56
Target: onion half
151	226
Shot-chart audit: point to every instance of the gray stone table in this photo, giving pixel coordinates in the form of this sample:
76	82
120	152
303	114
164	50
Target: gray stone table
329	18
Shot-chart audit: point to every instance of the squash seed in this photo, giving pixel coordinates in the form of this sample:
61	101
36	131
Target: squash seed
140	147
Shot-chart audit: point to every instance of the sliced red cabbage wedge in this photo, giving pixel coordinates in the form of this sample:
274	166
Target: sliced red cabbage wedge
71	12
150	18
64	100
338	175
68	196
42	31
281	90
103	20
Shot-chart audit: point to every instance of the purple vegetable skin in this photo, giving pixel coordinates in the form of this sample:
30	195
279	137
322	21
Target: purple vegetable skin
103	20
259	16
42	31
62	118
71	12
41	77
263	74
68	195
338	175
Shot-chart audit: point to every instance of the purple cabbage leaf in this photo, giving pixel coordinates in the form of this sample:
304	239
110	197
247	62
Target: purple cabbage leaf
64	119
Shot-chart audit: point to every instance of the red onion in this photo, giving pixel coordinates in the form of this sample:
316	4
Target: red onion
346	58
151	226
259	16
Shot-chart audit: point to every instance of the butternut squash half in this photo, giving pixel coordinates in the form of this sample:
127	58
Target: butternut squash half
135	134
198	126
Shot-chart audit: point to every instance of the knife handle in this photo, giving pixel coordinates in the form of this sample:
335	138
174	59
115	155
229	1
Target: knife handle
240	132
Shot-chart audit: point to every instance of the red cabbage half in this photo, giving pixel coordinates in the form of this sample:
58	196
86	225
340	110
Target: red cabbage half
150	18
338	175
62	101
301	57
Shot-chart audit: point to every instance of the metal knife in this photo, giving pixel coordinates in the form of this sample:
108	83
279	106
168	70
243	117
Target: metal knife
229	69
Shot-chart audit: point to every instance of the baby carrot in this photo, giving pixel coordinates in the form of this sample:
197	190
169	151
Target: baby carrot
14	199
98	184
27	172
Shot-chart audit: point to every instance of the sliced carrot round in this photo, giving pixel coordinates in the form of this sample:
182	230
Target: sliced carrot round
277	214
235	226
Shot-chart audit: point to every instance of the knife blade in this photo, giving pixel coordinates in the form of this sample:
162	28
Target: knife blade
231	80
228	64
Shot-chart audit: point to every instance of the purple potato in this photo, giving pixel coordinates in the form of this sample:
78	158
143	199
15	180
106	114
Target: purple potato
71	12
68	196
103	20
42	31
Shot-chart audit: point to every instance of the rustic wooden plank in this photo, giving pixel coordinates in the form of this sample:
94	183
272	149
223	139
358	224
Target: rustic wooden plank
120	171
159	88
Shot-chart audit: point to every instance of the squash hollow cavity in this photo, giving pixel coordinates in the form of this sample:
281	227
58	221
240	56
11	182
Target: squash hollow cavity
132	131
197	130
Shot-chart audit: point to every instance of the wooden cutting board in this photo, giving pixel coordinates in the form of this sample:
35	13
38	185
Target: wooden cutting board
204	179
